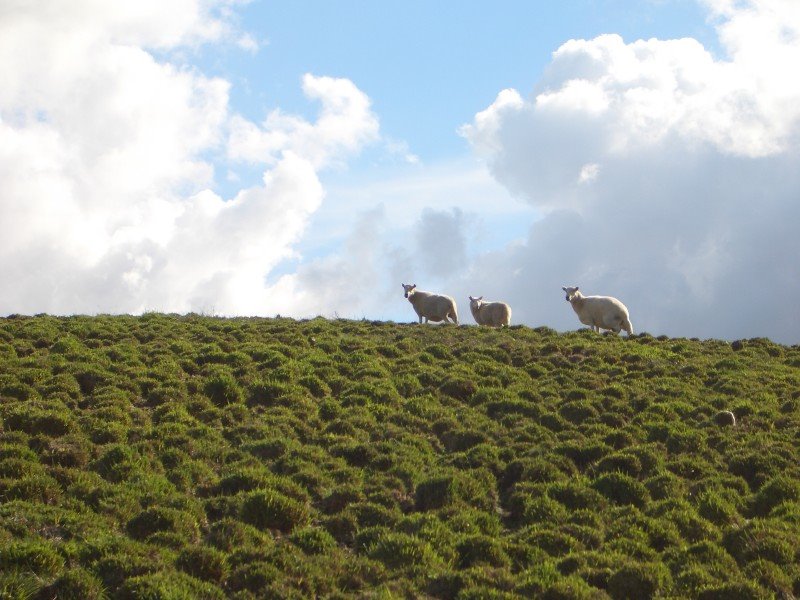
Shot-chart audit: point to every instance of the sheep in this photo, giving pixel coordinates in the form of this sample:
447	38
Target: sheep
430	306
492	314
599	312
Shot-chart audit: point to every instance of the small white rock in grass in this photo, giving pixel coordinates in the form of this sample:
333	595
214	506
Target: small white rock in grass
725	418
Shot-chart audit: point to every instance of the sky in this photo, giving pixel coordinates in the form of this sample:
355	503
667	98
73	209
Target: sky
305	158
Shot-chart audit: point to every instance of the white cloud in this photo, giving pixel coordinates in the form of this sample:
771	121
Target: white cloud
347	284
344	126
420	225
641	91
692	163
401	149
482	133
248	43
221	251
407	192
588	173
441	242
104	163
652	170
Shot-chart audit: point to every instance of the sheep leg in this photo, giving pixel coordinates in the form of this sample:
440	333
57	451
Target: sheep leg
616	325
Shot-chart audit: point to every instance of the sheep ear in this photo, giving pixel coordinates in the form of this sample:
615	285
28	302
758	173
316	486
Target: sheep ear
563	288
480	298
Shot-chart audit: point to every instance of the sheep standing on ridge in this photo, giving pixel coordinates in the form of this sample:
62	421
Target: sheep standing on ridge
493	314
430	306
599	312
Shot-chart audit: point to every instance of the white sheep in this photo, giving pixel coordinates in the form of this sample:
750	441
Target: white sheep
430	306
599	312
493	314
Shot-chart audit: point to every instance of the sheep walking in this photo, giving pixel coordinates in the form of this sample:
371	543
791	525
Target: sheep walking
430	306
599	312
492	314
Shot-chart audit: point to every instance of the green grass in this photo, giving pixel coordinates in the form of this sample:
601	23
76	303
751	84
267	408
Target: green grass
169	456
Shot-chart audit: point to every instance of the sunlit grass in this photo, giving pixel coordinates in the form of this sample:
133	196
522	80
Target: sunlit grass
191	456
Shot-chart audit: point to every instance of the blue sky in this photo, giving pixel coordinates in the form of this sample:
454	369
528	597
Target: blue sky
305	158
427	67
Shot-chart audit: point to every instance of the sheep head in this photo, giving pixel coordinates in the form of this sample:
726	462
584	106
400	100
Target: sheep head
571	292
408	289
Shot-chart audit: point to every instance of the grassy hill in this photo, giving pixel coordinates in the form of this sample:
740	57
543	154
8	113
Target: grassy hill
165	456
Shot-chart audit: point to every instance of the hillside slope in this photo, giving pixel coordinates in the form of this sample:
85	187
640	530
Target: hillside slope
193	457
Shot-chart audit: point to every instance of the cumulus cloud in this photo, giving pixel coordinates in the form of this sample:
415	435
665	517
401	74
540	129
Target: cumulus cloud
653	170
668	177
346	284
441	242
346	123
422	225
105	139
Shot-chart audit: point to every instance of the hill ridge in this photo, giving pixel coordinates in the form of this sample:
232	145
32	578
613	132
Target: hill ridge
193	456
